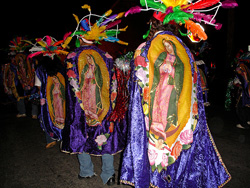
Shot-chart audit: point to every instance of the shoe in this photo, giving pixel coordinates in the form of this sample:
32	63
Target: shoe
240	126
87	177
111	180
20	115
50	145
34	116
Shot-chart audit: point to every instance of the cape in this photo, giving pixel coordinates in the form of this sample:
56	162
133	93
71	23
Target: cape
168	143
90	101
52	99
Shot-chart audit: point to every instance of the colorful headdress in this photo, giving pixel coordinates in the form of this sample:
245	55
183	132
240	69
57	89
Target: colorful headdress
49	46
100	30
18	44
185	12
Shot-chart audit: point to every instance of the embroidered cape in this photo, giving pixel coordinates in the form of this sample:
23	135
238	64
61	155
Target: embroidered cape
89	104
169	143
52	98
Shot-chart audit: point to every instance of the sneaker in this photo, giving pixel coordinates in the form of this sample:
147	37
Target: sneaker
87	177
20	115
50	145
34	116
240	126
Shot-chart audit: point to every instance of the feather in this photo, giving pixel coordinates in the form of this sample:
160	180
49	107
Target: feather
36	49
58	43
203	4
109	19
108	12
120	15
195	29
66	35
27	41
174	3
201	16
76	18
34	54
229	4
62	52
133	10
85	25
67	41
48	40
113	24
41	43
86	7
123	29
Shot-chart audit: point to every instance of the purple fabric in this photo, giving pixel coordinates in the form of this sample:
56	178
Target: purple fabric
45	120
199	166
77	135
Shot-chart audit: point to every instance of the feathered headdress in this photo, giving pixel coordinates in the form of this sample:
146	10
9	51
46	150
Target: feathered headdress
100	30
49	46
18	44
185	12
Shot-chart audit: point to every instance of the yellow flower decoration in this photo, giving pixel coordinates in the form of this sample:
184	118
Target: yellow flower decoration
145	109
69	65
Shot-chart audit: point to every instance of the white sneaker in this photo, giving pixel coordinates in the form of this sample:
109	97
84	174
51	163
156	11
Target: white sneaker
20	115
240	126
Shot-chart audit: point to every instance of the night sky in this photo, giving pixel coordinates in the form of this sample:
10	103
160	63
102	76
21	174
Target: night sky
36	19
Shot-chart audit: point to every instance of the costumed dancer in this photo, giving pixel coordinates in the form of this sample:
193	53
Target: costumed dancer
93	126
169	143
24	74
51	83
243	99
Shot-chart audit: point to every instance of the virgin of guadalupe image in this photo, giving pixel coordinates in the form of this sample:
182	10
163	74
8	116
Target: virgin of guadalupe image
56	100
165	93
90	86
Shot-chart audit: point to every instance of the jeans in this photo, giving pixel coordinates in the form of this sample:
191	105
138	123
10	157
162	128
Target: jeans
34	109
22	109
87	167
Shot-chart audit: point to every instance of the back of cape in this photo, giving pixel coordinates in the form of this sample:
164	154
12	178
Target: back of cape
169	142
88	93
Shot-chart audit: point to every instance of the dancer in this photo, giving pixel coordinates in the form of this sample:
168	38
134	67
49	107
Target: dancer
169	142
24	74
88	128
51	83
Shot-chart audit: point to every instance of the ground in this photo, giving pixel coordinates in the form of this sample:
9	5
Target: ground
25	163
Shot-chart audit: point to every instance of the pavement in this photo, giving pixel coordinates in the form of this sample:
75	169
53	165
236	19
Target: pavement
25	163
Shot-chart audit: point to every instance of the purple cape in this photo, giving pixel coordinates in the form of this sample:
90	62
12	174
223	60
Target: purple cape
78	136
45	119
199	166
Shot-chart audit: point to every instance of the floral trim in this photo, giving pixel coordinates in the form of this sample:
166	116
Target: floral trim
102	140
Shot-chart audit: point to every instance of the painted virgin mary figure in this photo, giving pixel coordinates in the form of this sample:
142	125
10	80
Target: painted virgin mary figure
166	89
91	84
58	100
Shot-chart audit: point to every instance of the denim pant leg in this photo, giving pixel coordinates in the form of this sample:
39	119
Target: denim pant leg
107	167
34	109
21	107
86	165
